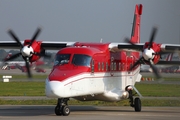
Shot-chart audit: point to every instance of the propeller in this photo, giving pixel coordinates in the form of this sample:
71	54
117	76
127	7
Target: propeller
147	54
153	34
25	51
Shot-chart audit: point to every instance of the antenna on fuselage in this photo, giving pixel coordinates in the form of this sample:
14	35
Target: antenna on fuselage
101	40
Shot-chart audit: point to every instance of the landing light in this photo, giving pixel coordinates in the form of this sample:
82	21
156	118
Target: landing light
125	94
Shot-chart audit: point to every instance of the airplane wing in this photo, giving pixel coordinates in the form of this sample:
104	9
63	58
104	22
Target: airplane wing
169	63
112	46
55	45
45	45
166	48
125	46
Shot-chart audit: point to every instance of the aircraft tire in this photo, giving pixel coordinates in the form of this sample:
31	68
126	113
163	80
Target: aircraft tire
137	105
65	110
57	111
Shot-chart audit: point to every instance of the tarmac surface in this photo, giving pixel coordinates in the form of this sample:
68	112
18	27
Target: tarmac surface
21	112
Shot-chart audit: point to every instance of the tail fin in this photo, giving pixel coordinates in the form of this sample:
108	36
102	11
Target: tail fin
135	35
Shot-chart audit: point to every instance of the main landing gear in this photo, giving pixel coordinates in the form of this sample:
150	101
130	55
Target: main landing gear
62	107
136	103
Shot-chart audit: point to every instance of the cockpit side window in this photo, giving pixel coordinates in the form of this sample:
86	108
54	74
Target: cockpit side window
81	60
61	59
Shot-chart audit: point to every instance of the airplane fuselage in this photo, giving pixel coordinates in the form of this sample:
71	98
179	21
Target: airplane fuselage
105	76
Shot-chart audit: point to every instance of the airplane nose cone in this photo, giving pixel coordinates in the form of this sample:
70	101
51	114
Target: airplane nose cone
54	89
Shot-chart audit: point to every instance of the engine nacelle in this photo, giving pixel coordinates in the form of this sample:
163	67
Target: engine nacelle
151	53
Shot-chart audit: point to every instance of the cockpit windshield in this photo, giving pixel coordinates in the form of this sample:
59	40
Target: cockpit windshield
62	59
81	60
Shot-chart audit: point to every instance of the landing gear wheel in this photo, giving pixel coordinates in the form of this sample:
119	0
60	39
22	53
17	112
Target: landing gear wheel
137	104
62	107
57	111
65	110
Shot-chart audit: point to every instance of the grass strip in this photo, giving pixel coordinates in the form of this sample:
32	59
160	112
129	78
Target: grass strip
145	102
159	90
22	89
38	89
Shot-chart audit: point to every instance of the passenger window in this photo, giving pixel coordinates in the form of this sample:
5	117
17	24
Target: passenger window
106	66
111	66
102	65
114	65
99	66
92	66
119	66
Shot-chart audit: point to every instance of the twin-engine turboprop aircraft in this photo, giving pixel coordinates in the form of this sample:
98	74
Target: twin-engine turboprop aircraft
94	71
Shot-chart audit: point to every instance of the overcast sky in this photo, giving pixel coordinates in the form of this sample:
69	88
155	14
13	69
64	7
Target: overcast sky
89	20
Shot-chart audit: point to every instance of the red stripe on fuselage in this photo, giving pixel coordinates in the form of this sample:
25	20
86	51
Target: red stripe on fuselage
98	77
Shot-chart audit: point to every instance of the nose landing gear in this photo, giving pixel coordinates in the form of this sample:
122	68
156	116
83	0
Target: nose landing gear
136	103
62	107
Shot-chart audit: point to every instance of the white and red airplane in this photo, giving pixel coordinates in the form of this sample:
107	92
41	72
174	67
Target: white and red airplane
94	71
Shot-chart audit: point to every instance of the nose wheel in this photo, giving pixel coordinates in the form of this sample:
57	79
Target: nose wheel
136	103
62	107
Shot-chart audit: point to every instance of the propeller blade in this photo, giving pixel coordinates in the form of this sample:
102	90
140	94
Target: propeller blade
35	35
153	34
12	57
155	70
12	34
28	67
136	63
